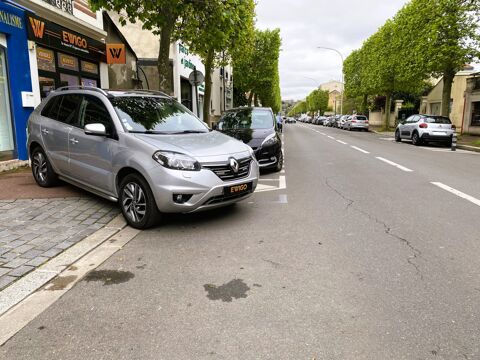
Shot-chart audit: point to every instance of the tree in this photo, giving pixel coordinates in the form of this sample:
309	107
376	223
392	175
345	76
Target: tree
218	30
164	17
317	100
299	108
257	71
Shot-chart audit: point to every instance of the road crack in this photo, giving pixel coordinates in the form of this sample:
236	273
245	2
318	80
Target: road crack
416	253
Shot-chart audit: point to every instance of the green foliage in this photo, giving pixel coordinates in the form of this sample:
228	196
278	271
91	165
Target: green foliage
256	71
299	108
317	100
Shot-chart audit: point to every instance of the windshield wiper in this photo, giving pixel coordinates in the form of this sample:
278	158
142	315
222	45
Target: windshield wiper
148	132
189	132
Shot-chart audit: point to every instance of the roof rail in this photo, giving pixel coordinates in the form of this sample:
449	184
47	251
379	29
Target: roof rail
158	92
81	87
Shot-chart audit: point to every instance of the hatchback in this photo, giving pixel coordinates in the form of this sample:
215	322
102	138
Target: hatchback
142	149
358	122
257	128
425	128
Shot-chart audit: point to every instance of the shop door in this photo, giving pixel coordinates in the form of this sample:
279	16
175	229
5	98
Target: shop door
6	134
186	93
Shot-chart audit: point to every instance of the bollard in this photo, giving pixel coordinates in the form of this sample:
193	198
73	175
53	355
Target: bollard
454	142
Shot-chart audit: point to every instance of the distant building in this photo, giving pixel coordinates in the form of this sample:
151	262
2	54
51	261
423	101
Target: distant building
334	89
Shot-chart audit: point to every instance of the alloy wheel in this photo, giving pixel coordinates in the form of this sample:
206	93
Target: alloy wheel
134	202
39	165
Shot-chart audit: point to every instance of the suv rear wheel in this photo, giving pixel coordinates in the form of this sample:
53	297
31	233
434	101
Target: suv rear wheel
42	169
137	202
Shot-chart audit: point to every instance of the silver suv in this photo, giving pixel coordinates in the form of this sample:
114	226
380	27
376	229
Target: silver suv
142	149
425	128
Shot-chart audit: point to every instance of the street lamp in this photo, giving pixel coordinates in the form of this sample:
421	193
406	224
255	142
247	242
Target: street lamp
341	56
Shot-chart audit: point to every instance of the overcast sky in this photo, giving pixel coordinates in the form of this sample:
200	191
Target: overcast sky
306	24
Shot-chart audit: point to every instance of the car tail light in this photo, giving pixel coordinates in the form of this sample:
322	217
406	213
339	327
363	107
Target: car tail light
453	127
366	122
354	121
423	126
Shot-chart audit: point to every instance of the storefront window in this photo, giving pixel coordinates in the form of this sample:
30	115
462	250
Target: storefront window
67	62
475	113
89	67
89	82
45	59
69	80
6	136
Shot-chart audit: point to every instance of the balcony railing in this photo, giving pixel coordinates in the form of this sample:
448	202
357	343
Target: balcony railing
64	5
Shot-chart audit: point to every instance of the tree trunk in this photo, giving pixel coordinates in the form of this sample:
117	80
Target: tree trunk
255	100
208	85
447	90
250	99
163	65
388	108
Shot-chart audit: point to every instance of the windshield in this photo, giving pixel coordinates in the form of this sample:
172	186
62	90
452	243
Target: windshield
156	115
247	119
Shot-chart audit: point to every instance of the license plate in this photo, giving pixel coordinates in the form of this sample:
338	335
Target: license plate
238	189
439	133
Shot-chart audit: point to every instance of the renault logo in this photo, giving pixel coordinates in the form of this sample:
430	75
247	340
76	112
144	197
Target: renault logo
234	165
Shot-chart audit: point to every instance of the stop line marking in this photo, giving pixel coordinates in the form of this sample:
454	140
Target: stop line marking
398	166
457	193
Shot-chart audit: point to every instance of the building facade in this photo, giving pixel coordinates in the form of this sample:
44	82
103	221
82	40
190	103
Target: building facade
16	97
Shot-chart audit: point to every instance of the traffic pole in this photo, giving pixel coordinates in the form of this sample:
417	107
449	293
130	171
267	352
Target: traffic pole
454	142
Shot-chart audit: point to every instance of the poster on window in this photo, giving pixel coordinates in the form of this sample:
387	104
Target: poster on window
45	59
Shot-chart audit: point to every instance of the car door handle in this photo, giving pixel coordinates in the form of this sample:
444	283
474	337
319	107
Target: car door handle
74	141
45	131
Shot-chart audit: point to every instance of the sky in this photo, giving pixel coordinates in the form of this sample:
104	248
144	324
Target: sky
306	24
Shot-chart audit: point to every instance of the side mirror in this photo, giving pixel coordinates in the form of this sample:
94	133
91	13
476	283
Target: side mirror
96	129
214	126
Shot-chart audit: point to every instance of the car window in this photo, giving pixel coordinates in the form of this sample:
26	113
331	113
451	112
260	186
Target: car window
50	110
156	115
93	111
247	119
437	120
68	108
361	117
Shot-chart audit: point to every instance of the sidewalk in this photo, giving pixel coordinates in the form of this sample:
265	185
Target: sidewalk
37	224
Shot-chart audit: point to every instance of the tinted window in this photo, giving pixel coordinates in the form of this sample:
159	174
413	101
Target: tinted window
93	111
51	108
361	117
156	115
437	120
247	119
68	108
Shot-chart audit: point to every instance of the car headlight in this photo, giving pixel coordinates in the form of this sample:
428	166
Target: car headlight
270	140
176	161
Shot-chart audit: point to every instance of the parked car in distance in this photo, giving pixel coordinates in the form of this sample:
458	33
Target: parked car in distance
257	128
425	129
356	122
341	121
142	149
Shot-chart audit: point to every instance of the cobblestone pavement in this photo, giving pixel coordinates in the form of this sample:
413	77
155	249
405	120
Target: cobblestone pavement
34	231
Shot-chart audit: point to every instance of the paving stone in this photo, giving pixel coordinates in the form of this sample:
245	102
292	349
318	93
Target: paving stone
8	256
39	260
31	254
20	271
52	252
22	249
6	280
4	270
15	263
89	221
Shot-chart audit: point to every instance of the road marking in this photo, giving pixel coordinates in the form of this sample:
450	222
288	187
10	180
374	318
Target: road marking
331	137
403	168
282	184
323	134
342	142
361	150
388	139
457	192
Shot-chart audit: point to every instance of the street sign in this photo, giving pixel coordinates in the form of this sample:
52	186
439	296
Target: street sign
196	78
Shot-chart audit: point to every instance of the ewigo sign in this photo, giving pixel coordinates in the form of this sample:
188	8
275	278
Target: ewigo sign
55	36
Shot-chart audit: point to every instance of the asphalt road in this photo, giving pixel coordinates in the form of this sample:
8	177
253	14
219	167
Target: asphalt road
357	258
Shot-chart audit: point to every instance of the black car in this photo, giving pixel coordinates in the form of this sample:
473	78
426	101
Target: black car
257	128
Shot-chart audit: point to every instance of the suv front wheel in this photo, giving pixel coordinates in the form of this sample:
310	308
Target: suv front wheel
42	169
137	202
416	139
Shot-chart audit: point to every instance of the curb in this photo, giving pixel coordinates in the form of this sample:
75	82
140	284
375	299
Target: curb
468	147
13	165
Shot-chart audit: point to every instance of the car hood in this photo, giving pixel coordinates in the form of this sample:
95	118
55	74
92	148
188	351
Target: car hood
202	145
251	137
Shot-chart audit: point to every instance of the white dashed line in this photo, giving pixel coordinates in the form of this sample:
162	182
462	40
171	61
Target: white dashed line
322	134
457	192
331	137
342	142
403	168
361	150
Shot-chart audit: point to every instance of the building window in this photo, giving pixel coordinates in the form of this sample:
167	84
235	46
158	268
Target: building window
64	5
6	135
475	114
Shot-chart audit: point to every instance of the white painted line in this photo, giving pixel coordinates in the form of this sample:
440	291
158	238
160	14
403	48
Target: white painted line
331	137
283	182
403	168
323	134
457	192
361	150
342	142
388	139
20	315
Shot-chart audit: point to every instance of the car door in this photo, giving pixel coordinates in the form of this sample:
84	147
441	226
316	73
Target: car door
407	128
57	118
91	156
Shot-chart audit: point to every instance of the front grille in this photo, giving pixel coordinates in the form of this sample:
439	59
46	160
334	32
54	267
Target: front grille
223	198
225	173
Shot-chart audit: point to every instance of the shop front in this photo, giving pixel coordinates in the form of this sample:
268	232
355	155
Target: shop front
15	82
64	57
